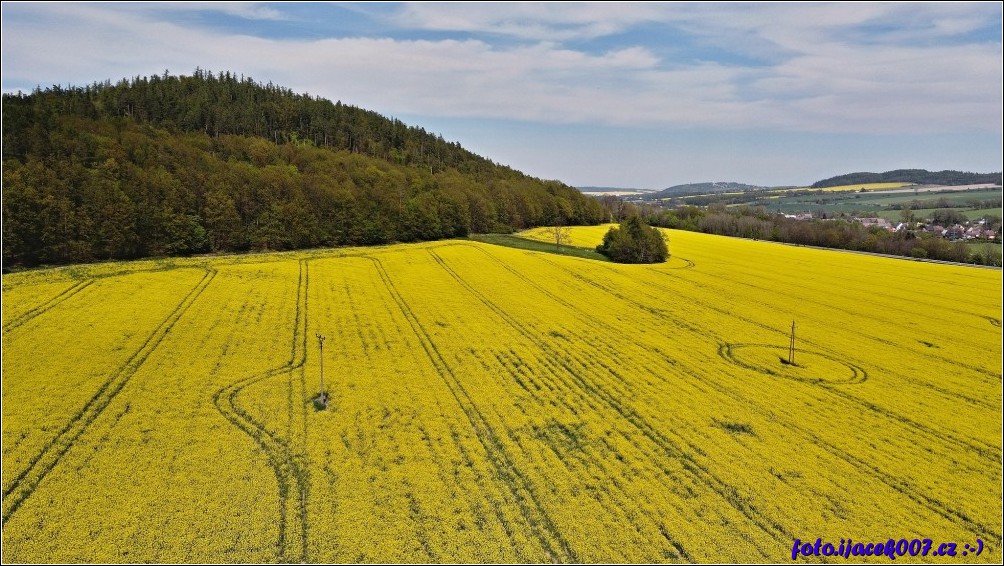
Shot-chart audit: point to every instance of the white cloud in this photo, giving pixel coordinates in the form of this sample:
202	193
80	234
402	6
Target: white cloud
816	79
535	21
246	10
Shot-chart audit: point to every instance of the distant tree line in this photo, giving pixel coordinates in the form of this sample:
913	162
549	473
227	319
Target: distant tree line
767	198
944	202
919	176
169	165
757	223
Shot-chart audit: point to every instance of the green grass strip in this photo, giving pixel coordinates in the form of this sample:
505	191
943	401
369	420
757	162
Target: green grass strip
510	241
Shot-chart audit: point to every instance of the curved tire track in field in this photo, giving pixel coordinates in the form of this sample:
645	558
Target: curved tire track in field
39	467
687	264
994	377
728	353
984	450
44	307
990	451
900	485
541	525
994	452
289	469
700	473
903	487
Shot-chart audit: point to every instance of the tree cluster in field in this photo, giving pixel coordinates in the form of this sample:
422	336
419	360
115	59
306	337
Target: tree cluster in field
757	223
634	241
171	165
919	176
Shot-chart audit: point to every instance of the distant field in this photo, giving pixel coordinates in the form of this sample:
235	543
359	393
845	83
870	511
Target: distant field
950	188
491	404
876	204
896	215
616	193
845	188
613	191
908	196
865	186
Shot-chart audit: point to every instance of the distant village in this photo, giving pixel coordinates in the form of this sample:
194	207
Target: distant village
977	230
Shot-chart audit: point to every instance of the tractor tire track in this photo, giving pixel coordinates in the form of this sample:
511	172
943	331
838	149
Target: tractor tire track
995	378
47	305
897	484
523	492
23	486
849	292
902	486
858	374
290	469
473	506
677	548
701	474
995	453
548	381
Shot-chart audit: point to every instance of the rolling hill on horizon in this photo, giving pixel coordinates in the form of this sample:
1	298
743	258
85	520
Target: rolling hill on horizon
710	187
916	176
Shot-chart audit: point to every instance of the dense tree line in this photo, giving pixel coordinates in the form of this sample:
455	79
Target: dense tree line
171	165
944	202
757	223
919	176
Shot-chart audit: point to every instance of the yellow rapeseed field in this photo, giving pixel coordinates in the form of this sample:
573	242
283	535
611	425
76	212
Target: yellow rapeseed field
579	236
490	404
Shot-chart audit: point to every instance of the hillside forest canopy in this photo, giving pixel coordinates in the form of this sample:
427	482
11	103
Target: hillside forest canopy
175	165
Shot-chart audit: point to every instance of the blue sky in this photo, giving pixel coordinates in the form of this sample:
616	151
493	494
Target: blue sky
643	95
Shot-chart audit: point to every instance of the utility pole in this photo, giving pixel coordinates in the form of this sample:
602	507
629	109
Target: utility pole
791	349
322	397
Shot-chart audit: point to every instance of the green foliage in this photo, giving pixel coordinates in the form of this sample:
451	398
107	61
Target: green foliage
634	241
170	165
948	217
919	176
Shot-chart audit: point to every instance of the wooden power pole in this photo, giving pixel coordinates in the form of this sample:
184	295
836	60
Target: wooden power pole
791	349
323	397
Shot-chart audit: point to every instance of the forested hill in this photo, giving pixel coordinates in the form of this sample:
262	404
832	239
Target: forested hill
704	189
167	165
919	176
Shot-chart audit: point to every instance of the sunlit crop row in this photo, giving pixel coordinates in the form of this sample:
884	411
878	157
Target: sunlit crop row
490	404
